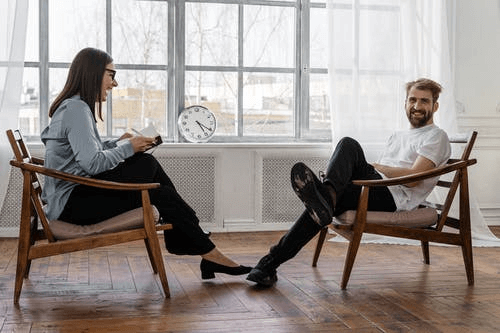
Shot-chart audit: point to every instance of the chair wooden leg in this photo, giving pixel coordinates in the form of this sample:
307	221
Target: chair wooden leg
425	252
319	245
25	239
22	263
158	258
349	260
465	229
150	255
154	252
467	253
469	266
34	230
151	239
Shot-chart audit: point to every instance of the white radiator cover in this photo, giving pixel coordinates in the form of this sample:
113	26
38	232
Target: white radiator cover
231	188
279	203
235	187
197	188
11	208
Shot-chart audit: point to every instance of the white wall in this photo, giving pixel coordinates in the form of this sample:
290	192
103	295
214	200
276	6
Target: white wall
477	90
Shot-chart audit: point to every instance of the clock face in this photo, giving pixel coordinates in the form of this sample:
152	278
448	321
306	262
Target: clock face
197	123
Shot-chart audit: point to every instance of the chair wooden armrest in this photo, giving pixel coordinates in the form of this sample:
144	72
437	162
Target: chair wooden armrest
83	180
439	171
37	160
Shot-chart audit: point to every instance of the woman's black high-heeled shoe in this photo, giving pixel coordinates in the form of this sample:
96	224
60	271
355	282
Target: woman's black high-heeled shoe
209	268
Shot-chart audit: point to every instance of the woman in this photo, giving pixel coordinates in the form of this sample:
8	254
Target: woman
73	145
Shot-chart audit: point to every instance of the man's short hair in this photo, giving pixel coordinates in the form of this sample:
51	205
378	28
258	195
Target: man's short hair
425	84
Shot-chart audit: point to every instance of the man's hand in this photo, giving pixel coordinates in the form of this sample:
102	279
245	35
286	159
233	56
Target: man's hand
421	164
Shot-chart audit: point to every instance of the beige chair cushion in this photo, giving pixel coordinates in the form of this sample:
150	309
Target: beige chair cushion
132	219
418	218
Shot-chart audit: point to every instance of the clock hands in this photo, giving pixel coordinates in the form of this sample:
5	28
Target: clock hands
203	127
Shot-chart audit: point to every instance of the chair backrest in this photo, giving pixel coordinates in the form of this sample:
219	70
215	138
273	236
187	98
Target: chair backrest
453	185
22	154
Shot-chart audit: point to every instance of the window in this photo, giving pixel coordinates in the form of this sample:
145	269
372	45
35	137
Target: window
259	65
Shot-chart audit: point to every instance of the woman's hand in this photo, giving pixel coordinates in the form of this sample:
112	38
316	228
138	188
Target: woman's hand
125	135
141	143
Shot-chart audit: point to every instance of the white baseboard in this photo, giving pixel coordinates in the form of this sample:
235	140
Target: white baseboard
9	232
246	225
491	215
239	225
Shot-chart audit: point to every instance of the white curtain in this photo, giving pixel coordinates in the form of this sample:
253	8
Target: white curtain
374	49
13	18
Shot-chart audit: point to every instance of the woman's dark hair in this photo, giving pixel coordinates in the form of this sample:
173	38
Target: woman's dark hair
85	78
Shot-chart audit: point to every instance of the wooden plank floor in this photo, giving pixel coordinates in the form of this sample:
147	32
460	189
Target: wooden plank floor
390	290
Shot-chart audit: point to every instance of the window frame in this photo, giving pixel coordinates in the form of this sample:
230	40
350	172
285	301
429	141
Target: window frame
176	69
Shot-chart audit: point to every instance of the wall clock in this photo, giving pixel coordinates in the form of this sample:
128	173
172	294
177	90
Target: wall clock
197	123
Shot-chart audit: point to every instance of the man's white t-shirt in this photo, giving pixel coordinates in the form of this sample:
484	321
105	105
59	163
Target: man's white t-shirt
402	150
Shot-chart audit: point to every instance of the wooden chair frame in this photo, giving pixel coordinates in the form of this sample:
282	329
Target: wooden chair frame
31	245
354	232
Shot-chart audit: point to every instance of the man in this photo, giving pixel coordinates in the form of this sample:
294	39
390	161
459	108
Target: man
422	147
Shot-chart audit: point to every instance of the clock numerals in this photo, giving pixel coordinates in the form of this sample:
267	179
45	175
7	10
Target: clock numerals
197	124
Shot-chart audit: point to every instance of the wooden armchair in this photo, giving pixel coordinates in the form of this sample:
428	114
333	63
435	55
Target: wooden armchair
424	224
39	237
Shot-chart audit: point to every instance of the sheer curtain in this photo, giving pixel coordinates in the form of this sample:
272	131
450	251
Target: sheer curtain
13	18
375	47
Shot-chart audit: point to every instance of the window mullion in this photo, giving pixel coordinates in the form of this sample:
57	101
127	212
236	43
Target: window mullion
239	111
356	13
109	101
171	74
44	62
302	69
180	61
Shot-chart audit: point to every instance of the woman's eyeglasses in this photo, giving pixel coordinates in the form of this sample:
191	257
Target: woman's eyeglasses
113	73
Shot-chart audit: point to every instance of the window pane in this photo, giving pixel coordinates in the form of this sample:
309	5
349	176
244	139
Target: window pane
218	91
380	40
29	113
318	39
368	2
342	38
140	30
378	111
269	36
74	25
381	2
57	79
140	100
319	110
268	104
32	40
211	34
377	97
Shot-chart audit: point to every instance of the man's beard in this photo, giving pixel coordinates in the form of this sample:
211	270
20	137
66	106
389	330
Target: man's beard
420	121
